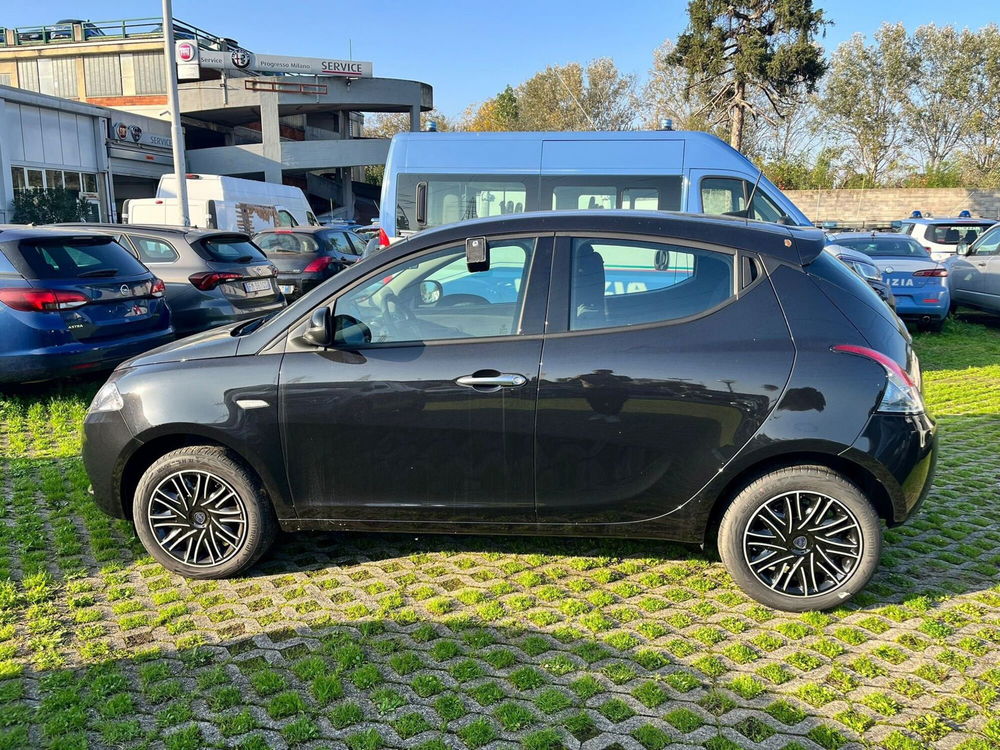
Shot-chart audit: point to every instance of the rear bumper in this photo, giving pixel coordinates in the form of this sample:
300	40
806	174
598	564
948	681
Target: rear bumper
910	305
212	313
77	357
901	452
299	283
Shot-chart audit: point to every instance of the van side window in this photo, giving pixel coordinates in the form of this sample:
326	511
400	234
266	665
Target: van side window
729	195
285	219
629	282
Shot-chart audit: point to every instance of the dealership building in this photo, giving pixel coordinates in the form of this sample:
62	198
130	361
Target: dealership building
278	118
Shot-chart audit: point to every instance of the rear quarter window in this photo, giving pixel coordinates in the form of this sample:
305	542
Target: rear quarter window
73	258
6	267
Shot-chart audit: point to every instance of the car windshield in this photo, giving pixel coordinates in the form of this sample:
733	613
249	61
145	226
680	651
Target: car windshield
891	247
76	257
953	234
231	250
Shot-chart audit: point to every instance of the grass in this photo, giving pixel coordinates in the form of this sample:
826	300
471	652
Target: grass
379	641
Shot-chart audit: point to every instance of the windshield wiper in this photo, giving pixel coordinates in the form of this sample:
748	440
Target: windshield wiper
244	259
98	272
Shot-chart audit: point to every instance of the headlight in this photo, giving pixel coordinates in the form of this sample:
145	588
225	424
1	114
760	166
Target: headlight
107	399
862	269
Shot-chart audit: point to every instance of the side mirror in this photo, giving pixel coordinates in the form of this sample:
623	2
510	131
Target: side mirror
962	248
430	292
350	332
319	332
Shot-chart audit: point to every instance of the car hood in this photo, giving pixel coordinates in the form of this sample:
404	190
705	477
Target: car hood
218	342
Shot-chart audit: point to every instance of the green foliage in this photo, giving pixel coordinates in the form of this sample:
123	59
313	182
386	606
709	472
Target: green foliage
48	206
755	47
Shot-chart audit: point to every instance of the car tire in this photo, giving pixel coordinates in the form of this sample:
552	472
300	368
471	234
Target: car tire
776	518
201	512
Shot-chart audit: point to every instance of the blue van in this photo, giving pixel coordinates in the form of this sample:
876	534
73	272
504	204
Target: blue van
432	179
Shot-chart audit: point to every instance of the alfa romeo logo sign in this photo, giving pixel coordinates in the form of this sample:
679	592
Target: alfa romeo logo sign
242	59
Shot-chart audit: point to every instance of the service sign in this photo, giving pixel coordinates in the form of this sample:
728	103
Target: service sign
241	59
132	133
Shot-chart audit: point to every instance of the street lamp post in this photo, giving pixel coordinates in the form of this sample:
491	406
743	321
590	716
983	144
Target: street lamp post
176	133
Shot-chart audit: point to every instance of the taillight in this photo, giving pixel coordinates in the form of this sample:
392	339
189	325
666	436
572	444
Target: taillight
320	264
939	273
383	238
42	300
901	395
158	288
208	280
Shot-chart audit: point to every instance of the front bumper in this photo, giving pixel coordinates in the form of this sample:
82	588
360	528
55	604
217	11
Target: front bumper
106	441
900	450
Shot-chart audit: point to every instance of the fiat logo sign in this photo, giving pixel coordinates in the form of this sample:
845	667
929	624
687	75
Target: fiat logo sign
186	52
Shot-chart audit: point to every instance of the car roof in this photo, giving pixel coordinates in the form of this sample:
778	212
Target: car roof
188	232
800	245
870	235
836	249
17	232
950	220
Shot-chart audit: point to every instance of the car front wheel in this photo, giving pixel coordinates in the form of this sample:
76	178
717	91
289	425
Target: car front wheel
199	511
801	538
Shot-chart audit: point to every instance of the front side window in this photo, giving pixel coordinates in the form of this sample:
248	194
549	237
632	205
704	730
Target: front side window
435	296
988	244
630	282
338	241
729	195
285	219
153	251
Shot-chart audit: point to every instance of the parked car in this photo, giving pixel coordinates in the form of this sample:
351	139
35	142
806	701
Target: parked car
943	235
752	384
306	256
918	282
974	273
864	267
73	303
212	278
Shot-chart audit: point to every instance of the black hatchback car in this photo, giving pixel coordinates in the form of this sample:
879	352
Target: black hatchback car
308	256
630	374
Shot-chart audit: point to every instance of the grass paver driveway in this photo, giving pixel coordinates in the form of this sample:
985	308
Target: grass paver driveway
371	641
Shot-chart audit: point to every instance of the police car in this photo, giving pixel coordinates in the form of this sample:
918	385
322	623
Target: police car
940	236
918	282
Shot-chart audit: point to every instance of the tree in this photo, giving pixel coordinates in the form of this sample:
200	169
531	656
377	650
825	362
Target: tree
569	97
732	51
981	118
943	74
500	113
864	101
48	206
668	96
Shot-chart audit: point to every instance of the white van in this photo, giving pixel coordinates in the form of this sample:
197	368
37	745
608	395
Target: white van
433	179
229	203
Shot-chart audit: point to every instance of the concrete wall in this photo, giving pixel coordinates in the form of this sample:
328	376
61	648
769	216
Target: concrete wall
882	205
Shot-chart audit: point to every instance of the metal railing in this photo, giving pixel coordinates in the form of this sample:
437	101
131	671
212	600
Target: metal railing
99	31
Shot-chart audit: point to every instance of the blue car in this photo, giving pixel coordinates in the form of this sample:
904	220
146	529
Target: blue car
918	282
71	303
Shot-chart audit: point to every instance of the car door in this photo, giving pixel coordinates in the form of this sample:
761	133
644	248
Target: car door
660	361
970	280
987	261
428	416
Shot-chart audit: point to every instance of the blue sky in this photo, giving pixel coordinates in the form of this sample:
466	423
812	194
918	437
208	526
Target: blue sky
470	50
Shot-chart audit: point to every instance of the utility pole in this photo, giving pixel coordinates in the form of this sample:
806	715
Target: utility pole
176	133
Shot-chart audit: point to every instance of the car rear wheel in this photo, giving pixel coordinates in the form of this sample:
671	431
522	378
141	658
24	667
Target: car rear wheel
801	538
199	511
